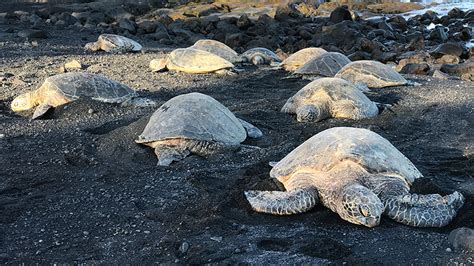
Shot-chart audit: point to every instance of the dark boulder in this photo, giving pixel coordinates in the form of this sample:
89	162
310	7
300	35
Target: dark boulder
340	14
413	68
447	49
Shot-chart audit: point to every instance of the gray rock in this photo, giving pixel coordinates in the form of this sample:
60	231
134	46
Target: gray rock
147	26
81	16
413	68
128	25
439	33
440	75
33	34
462	238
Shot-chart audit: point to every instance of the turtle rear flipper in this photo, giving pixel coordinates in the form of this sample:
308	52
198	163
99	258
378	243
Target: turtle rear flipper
41	111
252	131
283	202
431	210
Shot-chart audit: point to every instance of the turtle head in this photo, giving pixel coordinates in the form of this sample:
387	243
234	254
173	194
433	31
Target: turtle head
158	64
258	60
23	102
360	206
92	46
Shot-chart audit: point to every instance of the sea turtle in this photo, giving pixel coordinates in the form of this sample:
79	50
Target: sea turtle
191	60
112	43
372	74
194	123
357	174
298	59
260	56
330	97
63	88
217	48
327	65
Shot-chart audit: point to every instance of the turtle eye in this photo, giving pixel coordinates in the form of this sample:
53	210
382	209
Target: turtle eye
364	211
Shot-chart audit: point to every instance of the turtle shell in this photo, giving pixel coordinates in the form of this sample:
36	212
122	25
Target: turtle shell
327	64
76	85
298	59
372	73
342	97
217	48
194	116
117	43
330	147
268	55
191	60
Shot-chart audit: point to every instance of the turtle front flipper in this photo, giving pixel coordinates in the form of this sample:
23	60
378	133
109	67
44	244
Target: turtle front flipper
169	153
252	131
41	111
300	196
431	210
283	202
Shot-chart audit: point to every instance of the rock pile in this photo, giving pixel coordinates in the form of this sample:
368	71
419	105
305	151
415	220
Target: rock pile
419	45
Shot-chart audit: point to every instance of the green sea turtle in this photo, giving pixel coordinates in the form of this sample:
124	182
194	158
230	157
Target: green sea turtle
63	88
112	43
217	48
191	60
298	59
260	56
330	97
327	65
372	74
194	123
357	174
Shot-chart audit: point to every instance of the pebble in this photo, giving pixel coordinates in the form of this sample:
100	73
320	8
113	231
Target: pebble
2	136
217	238
184	247
462	238
448	250
90	111
73	64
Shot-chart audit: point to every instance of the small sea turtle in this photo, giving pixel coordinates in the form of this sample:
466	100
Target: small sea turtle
217	48
63	88
191	60
260	56
372	74
329	97
194	123
327	65
112	43
357	174
298	59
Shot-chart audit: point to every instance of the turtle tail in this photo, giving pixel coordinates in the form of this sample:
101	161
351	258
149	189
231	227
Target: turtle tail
283	202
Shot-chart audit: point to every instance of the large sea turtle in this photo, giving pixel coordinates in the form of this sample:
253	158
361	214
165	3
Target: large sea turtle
330	97
194	123
327	65
260	56
192	60
298	59
63	88
372	74
217	48
357	174
112	43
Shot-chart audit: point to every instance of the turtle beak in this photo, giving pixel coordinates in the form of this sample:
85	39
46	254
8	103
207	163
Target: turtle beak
370	221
